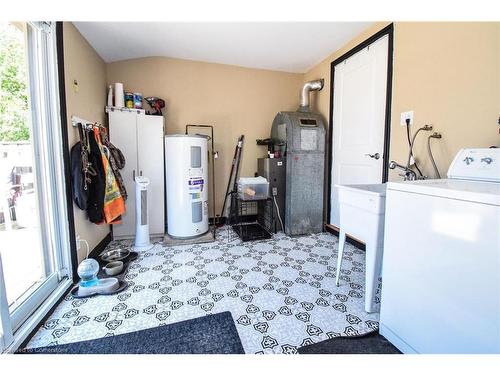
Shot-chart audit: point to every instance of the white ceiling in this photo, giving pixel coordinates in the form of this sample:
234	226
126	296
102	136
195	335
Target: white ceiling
286	46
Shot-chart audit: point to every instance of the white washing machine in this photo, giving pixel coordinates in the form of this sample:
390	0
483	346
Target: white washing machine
441	266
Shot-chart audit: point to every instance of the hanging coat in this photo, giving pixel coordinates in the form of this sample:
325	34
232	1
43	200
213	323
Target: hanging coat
116	160
80	193
96	186
114	204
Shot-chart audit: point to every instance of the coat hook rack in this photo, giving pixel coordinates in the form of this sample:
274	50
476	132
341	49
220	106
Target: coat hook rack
77	120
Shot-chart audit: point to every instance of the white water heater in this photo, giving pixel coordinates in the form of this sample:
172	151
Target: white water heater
142	241
187	185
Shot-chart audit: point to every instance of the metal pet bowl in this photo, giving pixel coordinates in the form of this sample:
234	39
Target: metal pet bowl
116	254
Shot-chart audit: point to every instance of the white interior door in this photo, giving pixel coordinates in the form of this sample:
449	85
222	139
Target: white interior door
359	105
151	165
123	134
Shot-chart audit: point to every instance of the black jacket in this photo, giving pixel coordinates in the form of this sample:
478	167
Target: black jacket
95	208
80	195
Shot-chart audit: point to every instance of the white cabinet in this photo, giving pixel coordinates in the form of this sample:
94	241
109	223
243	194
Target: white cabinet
140	139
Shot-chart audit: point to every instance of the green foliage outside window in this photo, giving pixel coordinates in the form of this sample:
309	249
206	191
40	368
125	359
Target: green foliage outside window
13	85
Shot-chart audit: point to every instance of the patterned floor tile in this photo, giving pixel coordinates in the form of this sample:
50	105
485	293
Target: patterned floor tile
281	293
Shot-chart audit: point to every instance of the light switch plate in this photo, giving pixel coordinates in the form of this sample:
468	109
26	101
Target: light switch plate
404	116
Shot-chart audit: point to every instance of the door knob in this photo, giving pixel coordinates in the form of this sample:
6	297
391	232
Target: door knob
375	156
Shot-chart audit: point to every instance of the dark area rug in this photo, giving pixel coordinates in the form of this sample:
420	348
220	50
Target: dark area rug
370	343
211	334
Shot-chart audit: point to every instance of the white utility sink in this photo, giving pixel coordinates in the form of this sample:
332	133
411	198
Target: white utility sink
362	213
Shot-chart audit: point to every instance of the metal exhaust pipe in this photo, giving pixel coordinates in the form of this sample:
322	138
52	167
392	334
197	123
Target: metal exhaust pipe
315	85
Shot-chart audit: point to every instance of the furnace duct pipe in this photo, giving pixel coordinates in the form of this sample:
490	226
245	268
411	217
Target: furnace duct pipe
315	85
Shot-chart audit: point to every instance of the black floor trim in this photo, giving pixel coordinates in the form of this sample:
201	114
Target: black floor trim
100	246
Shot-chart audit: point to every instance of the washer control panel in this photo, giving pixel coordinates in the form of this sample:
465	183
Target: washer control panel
479	164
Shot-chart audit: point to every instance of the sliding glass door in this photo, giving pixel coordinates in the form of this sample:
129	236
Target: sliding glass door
34	238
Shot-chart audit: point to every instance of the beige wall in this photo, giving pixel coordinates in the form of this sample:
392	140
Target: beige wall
234	100
82	63
448	73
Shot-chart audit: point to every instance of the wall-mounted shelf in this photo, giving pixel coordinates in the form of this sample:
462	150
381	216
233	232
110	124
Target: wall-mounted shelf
125	109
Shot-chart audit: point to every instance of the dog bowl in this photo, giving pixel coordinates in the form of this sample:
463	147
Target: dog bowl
113	268
116	254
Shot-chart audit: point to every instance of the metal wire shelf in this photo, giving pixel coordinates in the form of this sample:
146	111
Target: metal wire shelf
251	220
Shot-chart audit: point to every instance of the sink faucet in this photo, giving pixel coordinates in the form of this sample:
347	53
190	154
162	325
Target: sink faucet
408	173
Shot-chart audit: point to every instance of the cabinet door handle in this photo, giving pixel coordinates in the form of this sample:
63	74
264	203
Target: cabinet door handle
140	173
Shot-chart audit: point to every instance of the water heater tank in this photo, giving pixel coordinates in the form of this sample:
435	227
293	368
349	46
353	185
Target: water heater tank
187	185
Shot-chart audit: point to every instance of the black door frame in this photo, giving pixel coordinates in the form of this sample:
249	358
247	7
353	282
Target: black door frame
388	30
65	146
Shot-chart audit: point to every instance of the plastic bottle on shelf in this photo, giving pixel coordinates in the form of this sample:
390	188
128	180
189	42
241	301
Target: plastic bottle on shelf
110	96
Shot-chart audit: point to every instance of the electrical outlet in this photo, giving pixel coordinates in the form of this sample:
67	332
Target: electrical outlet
275	191
405	116
78	241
